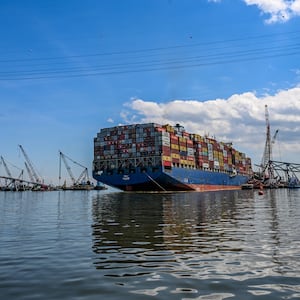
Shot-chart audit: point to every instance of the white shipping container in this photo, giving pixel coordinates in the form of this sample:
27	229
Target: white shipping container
166	142
165	134
166	138
205	165
210	155
190	151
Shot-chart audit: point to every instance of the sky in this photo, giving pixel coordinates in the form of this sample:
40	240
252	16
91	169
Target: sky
69	68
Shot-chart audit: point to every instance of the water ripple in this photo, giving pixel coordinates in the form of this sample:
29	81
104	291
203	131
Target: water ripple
67	245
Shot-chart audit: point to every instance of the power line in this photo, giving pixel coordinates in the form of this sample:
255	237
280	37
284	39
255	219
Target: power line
145	50
210	56
153	68
256	51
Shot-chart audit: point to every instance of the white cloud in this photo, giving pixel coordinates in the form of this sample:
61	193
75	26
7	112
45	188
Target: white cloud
295	6
240	119
278	10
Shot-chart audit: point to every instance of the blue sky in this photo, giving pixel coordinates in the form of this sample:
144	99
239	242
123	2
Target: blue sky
69	68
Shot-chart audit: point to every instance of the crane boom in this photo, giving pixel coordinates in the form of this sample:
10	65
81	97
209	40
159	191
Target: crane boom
6	167
21	174
274	137
84	174
267	150
29	172
30	166
63	157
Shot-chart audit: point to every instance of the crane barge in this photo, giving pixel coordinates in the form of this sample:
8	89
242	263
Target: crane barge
274	174
82	182
35	179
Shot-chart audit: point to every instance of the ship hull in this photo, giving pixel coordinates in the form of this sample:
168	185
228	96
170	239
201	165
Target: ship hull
175	179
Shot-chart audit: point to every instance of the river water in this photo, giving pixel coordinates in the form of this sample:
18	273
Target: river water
112	245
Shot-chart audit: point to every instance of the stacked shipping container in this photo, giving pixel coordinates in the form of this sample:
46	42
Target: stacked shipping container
174	146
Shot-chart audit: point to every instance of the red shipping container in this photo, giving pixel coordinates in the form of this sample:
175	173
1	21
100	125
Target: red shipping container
166	150
167	163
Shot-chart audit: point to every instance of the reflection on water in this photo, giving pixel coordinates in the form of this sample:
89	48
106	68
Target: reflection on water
106	245
187	241
180	223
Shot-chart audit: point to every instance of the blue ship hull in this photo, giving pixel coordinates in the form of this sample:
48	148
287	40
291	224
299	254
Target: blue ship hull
174	179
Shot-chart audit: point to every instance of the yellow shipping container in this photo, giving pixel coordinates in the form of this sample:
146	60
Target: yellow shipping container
169	128
197	137
221	156
216	153
166	158
175	146
175	155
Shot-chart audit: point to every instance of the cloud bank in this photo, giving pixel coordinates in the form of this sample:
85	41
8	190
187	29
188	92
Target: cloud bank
239	119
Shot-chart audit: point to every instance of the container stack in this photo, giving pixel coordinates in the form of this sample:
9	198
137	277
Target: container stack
140	140
173	145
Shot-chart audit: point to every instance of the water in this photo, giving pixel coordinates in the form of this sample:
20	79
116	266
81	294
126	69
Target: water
107	245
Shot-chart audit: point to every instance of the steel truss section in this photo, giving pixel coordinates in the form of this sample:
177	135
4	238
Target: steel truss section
285	166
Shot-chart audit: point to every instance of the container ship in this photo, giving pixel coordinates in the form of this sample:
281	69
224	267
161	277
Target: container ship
153	157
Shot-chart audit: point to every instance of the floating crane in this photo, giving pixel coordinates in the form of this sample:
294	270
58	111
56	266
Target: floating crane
270	168
83	181
266	164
